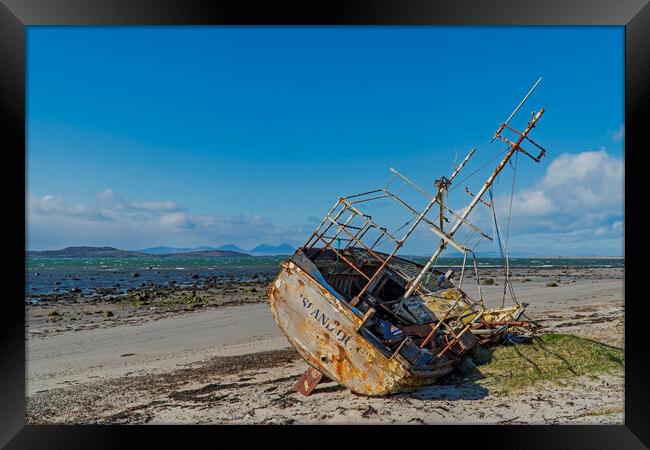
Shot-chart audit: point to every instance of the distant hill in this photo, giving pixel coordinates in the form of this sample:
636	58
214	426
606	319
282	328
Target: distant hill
111	252
261	250
266	249
209	253
169	250
204	251
232	248
86	252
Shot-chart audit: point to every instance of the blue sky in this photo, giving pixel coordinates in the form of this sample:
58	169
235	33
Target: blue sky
188	136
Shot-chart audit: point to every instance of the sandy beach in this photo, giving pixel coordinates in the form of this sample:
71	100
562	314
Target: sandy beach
215	355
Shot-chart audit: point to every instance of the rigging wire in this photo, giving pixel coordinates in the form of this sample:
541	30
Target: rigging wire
478	280
507	261
498	233
477	170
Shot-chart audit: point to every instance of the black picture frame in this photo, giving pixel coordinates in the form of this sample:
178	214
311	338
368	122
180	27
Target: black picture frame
15	15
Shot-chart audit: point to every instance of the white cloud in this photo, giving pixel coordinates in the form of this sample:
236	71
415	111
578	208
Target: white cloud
575	208
166	205
50	205
177	220
577	202
107	199
581	189
110	220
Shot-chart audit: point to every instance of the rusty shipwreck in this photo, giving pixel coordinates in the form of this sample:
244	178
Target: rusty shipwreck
378	323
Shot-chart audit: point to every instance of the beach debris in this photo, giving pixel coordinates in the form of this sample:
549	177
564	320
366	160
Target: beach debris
514	339
378	323
308	381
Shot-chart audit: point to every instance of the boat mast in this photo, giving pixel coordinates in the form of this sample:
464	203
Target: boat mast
514	146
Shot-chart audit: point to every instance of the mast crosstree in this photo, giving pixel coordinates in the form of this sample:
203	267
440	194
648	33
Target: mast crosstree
513	147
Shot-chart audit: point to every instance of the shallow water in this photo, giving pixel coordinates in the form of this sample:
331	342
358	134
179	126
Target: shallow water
45	275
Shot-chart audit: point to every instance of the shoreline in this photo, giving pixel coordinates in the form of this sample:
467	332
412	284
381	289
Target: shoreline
97	285
160	360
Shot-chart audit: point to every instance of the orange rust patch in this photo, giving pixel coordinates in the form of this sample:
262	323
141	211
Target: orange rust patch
343	366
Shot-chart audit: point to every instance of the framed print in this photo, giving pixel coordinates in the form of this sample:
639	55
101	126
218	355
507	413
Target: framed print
352	213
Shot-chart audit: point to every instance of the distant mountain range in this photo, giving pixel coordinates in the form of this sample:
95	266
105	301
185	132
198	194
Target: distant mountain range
166	250
266	249
260	250
232	247
204	251
207	253
110	252
231	250
84	252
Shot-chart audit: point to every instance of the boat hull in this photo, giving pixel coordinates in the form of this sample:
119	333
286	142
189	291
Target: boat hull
326	333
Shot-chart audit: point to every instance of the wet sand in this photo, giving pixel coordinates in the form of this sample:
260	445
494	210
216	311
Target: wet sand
224	360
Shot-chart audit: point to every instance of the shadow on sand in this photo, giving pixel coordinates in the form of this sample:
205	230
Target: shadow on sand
458	385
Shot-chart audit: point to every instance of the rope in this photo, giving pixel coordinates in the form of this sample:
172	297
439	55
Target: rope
507	265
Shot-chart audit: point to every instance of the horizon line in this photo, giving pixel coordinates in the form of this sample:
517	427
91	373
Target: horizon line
479	254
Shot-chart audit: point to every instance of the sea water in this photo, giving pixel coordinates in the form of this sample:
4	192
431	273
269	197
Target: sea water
46	275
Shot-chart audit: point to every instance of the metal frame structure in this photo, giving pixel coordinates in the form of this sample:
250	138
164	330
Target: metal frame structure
338	221
346	222
513	147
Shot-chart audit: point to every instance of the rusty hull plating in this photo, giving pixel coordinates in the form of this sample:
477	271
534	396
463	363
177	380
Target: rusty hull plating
328	335
377	323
